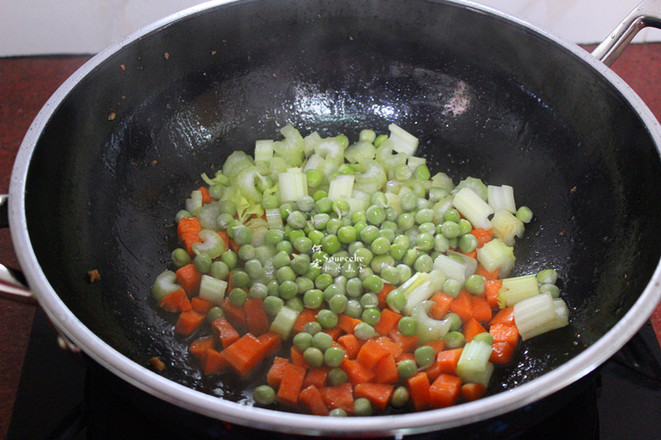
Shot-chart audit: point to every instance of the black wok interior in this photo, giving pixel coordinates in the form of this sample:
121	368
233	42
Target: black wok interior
486	98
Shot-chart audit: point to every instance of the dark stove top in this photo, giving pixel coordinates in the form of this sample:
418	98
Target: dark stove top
61	396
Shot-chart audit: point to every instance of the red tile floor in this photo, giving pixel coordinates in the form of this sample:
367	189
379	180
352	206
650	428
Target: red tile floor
26	84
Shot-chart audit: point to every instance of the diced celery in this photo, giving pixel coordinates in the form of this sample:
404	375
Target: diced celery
481	377
506	226
236	162
372	179
390	162
442	181
283	323
277	165
212	244
496	255
475	184
471	206
165	283
427	328
501	197
360	152
423	291
404	142
292	185
474	359
540	314
212	289
274	218
359	201
341	187
207	214
414	162
517	289
470	263
194	202
440	207
309	143
245	181
263	150
451	268
418	278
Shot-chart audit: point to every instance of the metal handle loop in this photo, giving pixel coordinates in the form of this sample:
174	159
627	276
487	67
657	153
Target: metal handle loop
646	14
12	281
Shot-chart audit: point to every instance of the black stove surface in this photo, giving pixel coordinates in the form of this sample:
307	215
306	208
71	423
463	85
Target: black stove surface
62	396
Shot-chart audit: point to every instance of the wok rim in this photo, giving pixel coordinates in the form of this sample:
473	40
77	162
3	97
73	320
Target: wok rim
151	382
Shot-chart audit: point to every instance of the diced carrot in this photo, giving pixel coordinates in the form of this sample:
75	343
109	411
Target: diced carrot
408	343
226	239
176	301
200	304
386	370
438	345
493	275
347	323
405	356
291	384
314	403
441	305
339	396
491	291
472	391
472	254
215	362
504	333
234	245
188	322
316	376
371	353
483	236
188	230
335	332
377	393
306	315
296	357
356	372
277	370
225	332
351	345
445	390
481	308
206	197
271	342
433	371
245	354
447	360
198	348
419	390
471	328
383	294
504	316
462	305
189	278
387	322
501	353
256	318
234	314
394	348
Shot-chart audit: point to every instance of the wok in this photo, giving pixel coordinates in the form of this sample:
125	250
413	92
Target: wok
112	155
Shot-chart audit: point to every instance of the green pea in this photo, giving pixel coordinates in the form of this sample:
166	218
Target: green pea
364	331
484	337
354	287
322	341
313	299
467	243
324	205
455	321
454	339
450	229
313	357
264	395
288	289
332	290
396	300
380	246
215	313
334	225
341	208
284	246
408	202
410	257
240	278
407	368
371	315
407	326
327	318
304	284
242	235
314	178
228	207
405	272
330	244
322	281
254	269
427	227
362	407
369	300
424	216
337	412
336	376
422	172
452	287
300	264
369	234
475	284
180	257
347	234
281	259
375	215
373	283
229	258
390	274
423	263
550	288
424	356
333	356
400	397
270	201
274	236
338	303
350	269
405	221
302	341
363	256
524	214
312	327
238	297
202	262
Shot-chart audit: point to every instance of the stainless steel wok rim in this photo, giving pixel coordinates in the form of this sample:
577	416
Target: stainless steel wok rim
151	382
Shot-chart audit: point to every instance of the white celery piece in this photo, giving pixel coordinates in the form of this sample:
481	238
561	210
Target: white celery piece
540	314
207	214
341	187
314	162
423	291
359	152
428	328
474	360
470	263
481	377
309	142
496	255
212	244
292	185
501	197
404	142
359	201
212	289
471	206
414	162
451	268
283	323
418	278
194	202
517	289
263	150
165	283
274	218
506	226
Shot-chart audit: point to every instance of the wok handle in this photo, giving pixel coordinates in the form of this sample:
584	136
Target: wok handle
646	14
12	281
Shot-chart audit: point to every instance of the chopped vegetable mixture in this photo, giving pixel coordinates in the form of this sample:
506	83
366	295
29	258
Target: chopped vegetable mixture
361	279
